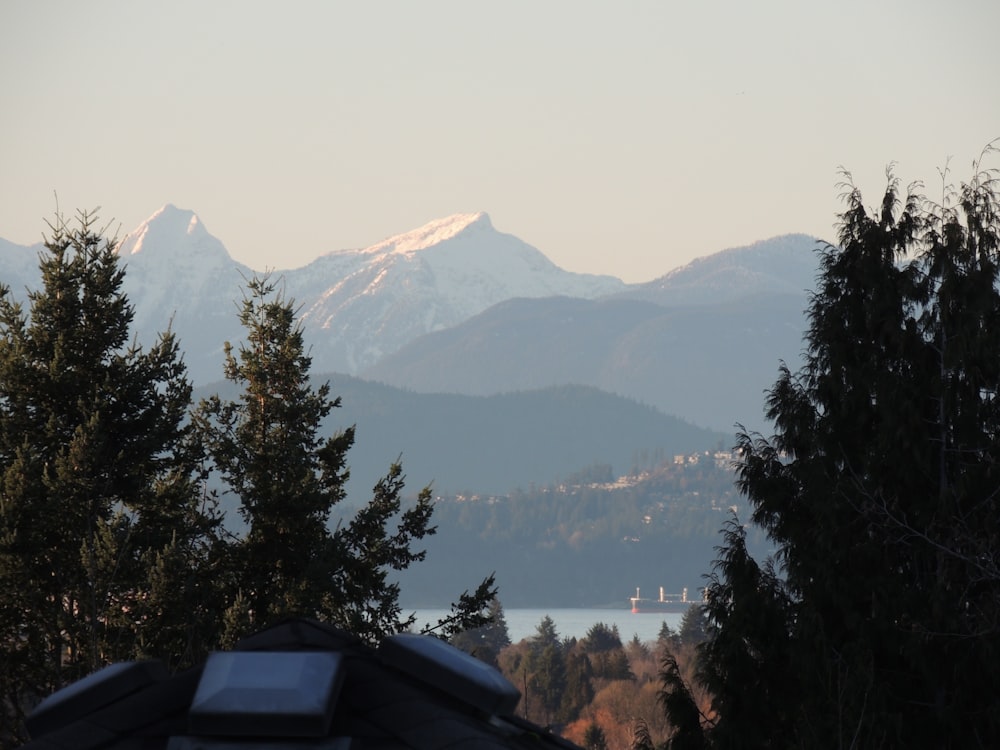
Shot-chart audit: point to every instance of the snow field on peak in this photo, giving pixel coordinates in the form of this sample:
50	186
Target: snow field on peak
430	234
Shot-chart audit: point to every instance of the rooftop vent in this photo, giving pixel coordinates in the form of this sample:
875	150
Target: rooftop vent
451	670
93	692
267	694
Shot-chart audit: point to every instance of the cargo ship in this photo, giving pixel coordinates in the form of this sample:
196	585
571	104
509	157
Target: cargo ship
666	602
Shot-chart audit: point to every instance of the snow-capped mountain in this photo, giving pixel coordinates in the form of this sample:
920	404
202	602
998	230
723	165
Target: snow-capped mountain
456	306
780	265
381	297
179	275
356	305
702	342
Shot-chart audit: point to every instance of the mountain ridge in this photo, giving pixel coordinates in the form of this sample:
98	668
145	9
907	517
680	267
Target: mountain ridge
498	443
494	303
431	233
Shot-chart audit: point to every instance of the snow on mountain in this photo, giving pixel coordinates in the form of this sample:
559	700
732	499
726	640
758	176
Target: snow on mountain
174	239
370	311
781	265
430	234
702	342
433	277
356	305
179	276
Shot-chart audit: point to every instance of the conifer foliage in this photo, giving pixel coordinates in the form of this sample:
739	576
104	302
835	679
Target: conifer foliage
268	447
111	544
104	533
879	625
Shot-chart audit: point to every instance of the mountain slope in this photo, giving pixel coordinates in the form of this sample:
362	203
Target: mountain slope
356	305
361	305
708	365
179	275
702	343
457	306
781	265
496	444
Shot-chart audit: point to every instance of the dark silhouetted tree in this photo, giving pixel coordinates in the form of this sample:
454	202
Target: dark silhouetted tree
600	637
593	738
297	558
485	641
546	669
879	490
105	535
675	696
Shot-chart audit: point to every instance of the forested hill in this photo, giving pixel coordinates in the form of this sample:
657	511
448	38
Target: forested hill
586	543
499	444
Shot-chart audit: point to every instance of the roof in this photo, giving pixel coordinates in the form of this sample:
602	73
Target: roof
300	684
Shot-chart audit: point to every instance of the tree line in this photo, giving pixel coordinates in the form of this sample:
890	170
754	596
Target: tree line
586	542
112	545
597	691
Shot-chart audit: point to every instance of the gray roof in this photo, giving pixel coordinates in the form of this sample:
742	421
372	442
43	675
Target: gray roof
299	684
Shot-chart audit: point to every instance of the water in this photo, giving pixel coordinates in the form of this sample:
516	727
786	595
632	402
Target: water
574	623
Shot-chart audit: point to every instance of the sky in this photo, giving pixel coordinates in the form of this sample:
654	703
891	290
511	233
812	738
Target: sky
623	138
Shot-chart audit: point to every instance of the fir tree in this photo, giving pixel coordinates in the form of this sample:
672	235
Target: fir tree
879	492
681	711
594	738
101	512
546	665
297	557
485	641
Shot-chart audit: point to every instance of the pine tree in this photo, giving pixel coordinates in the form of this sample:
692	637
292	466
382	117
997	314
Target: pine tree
297	558
879	491
579	690
594	738
745	664
485	641
100	504
546	665
693	626
600	637
681	710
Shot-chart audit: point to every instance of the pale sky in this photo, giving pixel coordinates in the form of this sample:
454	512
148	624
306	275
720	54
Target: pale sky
617	137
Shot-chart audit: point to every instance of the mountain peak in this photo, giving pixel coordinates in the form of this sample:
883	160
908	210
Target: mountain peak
433	233
166	225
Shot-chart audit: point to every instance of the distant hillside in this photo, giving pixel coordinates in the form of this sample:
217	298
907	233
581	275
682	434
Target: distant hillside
588	543
356	305
703	342
784	265
500	443
456	306
706	364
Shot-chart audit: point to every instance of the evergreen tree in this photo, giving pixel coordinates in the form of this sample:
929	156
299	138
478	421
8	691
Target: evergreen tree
101	512
636	649
268	448
667	638
642	739
486	641
579	691
879	491
594	738
680	708
546	665
693	625
745	664
600	637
